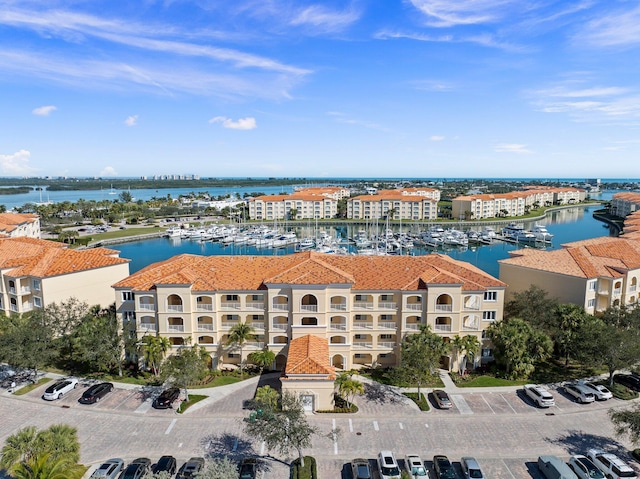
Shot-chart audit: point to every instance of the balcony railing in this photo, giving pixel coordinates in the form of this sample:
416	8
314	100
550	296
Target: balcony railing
148	327
338	326
147	307
174	308
280	326
255	344
229	324
412	326
230	305
444	307
617	291
414	307
472	307
176	328
338	307
311	308
442	327
387	325
205	327
387	344
362	305
281	306
632	288
25	290
474	326
362	325
258	325
387	305
255	306
204	307
363	345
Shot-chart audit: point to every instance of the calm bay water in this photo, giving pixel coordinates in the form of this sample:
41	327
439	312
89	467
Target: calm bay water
567	225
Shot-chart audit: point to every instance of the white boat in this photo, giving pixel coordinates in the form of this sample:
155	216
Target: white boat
541	233
173	232
516	232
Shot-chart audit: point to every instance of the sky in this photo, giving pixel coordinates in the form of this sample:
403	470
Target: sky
333	88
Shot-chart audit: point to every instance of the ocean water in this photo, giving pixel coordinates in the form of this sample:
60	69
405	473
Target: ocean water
567	225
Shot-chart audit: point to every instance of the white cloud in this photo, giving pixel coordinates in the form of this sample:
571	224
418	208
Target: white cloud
620	28
108	171
16	164
131	120
512	148
321	18
436	138
445	13
248	123
44	110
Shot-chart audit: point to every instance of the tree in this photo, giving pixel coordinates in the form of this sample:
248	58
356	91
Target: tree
567	320
284	429
267	398
45	466
240	333
518	346
420	354
348	387
185	367
627	423
263	359
533	305
223	468
154	349
463	346
27	341
97	342
65	318
293	213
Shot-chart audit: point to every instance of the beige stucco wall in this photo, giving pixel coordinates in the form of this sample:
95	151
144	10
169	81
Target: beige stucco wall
322	390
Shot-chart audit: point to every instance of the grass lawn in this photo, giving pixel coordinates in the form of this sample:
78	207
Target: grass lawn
118	233
554	371
193	398
384	376
219	381
488	381
31	387
423	403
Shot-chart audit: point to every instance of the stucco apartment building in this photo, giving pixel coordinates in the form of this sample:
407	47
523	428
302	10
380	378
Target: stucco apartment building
514	203
623	204
596	274
308	203
13	225
362	306
35	273
407	204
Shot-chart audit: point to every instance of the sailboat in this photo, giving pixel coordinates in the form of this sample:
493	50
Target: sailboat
44	203
112	191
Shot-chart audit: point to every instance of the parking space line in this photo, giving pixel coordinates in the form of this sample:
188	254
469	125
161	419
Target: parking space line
427	426
124	400
375	425
509	404
335	437
262	448
461	403
401	425
350	425
485	400
173	422
508	470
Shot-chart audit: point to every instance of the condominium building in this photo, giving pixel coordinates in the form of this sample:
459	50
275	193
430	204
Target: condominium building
35	273
304	203
406	204
623	204
514	203
362	306
596	274
13	225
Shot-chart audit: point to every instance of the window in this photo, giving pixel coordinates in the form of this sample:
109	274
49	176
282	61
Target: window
591	303
592	285
361	297
386	336
234	355
383	356
360	317
127	296
360	336
37	302
386	297
386	317
484	334
487	352
231	297
489	315
128	316
490	295
256	297
360	356
36	284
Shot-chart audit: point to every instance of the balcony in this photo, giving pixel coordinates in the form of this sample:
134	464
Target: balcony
447	308
363	345
362	305
446	328
176	328
632	288
202	327
412	326
387	305
309	308
174	308
255	344
280	306
338	307
258	325
362	325
617	291
147	307
25	290
387	325
148	327
472	308
230	306
204	307
280	326
472	326
229	324
414	307
387	344
255	306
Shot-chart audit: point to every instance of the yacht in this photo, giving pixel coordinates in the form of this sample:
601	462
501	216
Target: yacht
516	232
541	233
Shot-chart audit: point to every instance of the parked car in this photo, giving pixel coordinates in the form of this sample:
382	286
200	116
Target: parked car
166	464
387	465
471	468
539	395
190	468
579	392
584	468
95	393
443	468
600	392
414	466
166	398
442	399
248	468
109	469
612	466
137	468
59	389
553	467
360	468
628	380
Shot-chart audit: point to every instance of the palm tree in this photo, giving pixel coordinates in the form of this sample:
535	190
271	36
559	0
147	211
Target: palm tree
267	398
19	447
60	441
350	388
262	359
238	336
154	349
46	466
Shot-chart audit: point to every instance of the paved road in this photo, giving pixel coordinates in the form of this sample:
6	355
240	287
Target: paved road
498	426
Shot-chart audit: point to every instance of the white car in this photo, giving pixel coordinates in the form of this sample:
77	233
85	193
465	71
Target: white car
600	392
584	468
612	466
59	389
415	467
539	395
388	466
579	392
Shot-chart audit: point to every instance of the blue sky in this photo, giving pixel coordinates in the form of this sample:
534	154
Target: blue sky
296	88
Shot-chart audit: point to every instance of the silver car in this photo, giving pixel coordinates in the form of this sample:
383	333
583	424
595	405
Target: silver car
109	469
471	468
584	468
600	392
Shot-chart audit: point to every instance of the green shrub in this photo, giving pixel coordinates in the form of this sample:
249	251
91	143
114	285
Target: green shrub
309	471
619	391
193	398
422	403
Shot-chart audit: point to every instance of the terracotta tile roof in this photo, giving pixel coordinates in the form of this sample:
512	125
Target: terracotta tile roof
309	355
10	221
395	195
41	258
250	273
597	257
629	196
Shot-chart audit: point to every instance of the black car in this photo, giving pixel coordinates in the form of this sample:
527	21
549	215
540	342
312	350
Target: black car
629	380
95	393
166	398
166	464
137	469
248	468
190	468
443	467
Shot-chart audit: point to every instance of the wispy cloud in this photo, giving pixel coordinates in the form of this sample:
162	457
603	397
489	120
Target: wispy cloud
321	18
445	13
16	164
342	118
512	148
436	138
131	120
488	40
618	28
248	123
433	85
44	110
